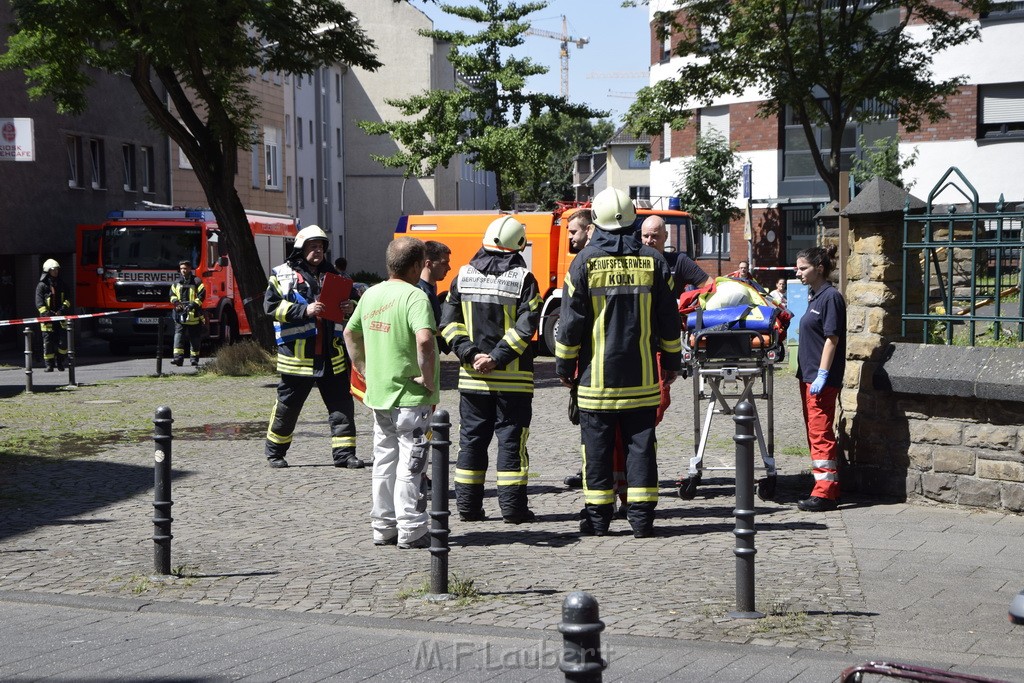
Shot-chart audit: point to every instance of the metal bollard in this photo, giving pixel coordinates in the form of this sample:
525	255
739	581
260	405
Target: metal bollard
159	346
28	358
581	637
162	491
440	426
71	354
745	531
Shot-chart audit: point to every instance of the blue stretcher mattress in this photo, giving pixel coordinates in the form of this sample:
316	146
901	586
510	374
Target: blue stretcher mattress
746	317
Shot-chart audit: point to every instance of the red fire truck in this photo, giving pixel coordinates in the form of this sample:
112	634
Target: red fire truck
131	261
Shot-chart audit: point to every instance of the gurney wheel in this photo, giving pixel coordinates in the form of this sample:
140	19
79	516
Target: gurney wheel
766	488
688	487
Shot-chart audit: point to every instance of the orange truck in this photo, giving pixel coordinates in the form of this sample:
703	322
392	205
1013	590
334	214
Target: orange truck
547	249
131	261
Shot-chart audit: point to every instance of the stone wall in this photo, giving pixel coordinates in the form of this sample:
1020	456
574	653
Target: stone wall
965	450
929	421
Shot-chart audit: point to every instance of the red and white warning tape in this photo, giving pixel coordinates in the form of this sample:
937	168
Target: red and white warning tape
774	268
54	318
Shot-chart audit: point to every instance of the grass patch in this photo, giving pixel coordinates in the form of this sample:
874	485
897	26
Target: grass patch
244	359
795	450
463	591
138	584
779	620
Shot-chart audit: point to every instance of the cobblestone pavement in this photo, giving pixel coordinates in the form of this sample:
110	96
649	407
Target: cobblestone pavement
299	539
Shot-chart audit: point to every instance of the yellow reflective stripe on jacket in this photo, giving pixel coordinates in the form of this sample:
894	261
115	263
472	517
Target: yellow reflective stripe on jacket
648	372
281	312
519	381
671	345
566	352
618	398
469	476
598	336
453	330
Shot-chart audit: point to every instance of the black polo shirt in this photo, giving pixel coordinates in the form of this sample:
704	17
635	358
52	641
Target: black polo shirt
825	316
684	272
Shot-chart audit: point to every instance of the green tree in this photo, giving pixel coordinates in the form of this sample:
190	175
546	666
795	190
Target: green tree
200	54
548	178
830	61
707	185
488	117
882	160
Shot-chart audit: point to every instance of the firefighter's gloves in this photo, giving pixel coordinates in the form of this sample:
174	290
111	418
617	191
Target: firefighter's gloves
819	382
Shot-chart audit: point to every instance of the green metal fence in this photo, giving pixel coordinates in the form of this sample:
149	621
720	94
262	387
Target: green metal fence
962	268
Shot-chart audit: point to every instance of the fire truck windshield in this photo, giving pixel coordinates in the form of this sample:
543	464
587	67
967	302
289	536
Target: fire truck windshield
152	247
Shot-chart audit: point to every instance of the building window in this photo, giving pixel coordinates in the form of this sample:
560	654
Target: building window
666	142
639	192
289	192
287	130
311	132
148	169
666	42
97	165
74	149
298	128
339	196
337	142
312	192
183	161
128	166
300	191
634	162
1001	110
801	231
337	87
254	170
713	244
272	155
1001	9
715	119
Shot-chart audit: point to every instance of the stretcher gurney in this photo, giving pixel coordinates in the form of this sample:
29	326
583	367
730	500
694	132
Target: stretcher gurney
731	354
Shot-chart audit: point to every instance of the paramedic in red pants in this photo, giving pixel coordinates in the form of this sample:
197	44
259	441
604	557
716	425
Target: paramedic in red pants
821	363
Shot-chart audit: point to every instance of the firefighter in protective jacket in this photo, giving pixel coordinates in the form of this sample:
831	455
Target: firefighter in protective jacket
52	299
489	319
187	295
310	351
617	314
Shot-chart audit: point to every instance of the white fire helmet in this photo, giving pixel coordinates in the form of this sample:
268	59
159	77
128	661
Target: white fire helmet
505	234
310	232
49	264
613	210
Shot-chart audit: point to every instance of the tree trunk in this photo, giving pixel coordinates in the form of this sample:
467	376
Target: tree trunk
245	260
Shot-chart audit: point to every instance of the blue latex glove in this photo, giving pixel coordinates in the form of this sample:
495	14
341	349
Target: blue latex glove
819	382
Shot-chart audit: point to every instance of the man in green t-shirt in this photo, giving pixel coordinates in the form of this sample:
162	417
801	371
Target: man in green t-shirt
390	338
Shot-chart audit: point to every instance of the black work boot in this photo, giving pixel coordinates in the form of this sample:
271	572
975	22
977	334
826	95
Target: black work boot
594	519
469	499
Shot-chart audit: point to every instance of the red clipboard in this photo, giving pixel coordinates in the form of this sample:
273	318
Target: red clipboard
336	290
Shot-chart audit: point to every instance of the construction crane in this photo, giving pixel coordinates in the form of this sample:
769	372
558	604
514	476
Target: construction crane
565	38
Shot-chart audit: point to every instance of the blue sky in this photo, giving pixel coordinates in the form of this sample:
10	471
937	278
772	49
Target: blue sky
619	43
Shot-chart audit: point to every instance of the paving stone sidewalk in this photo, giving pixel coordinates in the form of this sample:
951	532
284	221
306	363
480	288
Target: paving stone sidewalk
299	540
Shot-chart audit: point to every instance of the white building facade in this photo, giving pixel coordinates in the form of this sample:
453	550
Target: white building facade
984	138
